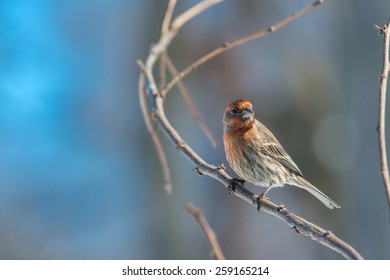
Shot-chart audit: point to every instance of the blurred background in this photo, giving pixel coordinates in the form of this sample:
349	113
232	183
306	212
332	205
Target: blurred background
79	175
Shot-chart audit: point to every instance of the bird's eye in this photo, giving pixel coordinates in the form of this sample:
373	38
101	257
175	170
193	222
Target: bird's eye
235	111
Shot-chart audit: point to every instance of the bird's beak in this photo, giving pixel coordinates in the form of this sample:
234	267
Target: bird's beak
247	113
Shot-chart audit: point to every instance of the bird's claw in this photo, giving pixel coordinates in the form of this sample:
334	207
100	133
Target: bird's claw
233	183
257	199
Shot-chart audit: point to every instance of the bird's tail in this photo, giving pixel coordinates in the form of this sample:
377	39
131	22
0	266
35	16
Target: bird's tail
304	184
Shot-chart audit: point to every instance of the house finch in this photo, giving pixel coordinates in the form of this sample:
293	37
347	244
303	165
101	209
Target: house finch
257	157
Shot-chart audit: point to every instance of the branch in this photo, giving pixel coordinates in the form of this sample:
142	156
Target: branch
168	16
300	225
159	48
385	32
156	141
164	30
207	230
187	98
229	45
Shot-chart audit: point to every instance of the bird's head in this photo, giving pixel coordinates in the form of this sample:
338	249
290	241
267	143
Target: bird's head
238	115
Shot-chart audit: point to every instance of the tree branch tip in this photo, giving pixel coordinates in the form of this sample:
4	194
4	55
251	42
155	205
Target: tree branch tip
142	65
168	188
381	29
192	209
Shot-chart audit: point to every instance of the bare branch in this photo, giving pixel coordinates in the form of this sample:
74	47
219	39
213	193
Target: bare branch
385	32
163	72
207	230
168	16
190	104
229	45
192	12
300	225
160	151
164	30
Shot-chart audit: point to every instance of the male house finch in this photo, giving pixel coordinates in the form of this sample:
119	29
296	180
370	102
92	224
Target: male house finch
257	157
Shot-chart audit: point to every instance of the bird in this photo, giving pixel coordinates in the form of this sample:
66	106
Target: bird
256	155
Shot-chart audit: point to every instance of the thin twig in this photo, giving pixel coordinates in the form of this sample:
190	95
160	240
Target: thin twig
168	16
164	30
207	230
192	12
300	225
190	104
385	32
163	72
229	45
156	141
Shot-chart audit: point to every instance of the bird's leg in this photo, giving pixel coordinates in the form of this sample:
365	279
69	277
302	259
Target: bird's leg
256	201
261	197
233	183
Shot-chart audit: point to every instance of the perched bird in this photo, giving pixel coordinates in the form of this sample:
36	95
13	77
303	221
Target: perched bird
257	157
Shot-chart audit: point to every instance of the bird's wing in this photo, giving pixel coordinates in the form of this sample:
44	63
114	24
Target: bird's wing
276	151
272	148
